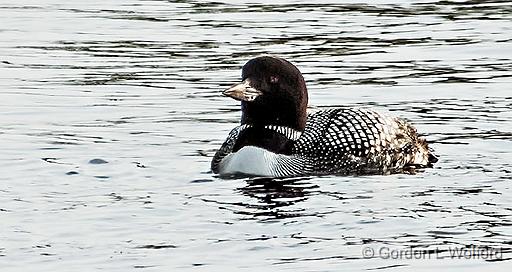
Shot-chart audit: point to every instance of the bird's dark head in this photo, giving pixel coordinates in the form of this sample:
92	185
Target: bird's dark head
272	92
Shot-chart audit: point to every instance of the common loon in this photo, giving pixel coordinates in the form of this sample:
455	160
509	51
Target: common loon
278	138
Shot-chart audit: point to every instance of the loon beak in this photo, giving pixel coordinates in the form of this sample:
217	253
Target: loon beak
242	91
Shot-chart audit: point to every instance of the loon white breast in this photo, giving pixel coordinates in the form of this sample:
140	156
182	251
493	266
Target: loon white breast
278	138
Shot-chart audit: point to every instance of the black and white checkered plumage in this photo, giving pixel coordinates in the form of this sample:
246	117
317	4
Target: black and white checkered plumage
270	142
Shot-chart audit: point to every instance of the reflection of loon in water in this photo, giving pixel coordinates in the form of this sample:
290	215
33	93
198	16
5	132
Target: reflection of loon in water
273	195
278	138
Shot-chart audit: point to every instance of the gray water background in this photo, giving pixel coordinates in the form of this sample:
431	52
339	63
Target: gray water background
111	110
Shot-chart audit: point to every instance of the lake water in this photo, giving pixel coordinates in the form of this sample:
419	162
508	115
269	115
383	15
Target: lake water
110	112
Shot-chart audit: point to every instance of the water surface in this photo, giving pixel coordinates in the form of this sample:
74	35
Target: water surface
110	112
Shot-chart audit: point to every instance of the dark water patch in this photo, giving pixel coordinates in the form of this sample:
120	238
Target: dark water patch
98	161
101	177
159	246
483	189
42	246
139	165
22	7
54	161
446	233
116	197
261	212
505	216
201	181
62	138
386	267
324	258
143	266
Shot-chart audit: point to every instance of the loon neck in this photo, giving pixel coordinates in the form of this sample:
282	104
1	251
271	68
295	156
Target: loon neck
288	132
273	114
276	139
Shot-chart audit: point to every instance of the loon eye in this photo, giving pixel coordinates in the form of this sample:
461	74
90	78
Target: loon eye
274	79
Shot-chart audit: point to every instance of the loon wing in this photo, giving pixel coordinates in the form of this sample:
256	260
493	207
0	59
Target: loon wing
352	139
226	148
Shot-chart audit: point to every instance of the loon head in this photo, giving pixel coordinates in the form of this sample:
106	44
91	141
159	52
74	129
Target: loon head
272	92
